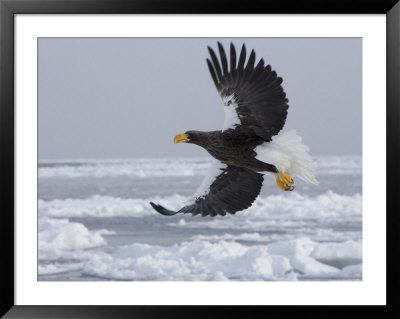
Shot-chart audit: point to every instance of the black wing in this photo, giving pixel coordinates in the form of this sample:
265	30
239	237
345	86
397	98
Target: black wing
252	94
225	189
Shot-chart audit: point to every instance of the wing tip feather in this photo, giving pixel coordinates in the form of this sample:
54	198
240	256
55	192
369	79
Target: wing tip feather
162	210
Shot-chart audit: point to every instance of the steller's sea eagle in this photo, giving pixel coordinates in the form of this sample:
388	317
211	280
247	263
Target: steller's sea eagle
248	146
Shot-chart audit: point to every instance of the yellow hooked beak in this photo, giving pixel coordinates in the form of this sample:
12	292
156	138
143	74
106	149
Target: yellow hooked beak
180	138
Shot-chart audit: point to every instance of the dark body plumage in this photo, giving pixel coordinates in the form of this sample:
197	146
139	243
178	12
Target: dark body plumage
256	109
232	148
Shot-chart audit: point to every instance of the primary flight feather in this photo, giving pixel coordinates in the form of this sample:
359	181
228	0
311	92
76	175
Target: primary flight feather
248	146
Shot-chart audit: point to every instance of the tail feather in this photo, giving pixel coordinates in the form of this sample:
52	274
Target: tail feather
287	152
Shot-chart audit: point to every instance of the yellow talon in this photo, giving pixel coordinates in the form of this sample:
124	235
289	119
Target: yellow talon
280	184
284	181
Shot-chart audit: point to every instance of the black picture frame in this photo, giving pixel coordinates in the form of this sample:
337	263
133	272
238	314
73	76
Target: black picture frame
8	8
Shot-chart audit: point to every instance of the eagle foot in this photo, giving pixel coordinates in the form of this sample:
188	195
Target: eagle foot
284	181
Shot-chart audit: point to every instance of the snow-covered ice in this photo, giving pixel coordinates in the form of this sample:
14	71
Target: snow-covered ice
95	223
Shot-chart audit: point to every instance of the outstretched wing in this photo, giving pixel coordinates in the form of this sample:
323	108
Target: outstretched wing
252	94
225	189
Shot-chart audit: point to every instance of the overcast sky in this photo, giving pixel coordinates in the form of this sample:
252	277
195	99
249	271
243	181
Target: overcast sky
128	97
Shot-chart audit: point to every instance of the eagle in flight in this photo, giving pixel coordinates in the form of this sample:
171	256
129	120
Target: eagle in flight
248	146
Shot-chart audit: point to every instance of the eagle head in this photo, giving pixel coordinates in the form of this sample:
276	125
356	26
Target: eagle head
189	137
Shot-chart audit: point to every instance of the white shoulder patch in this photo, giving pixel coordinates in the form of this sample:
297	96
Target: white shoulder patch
211	174
231	117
